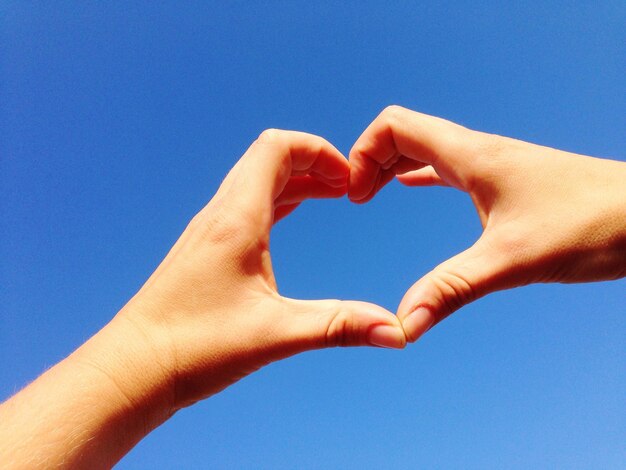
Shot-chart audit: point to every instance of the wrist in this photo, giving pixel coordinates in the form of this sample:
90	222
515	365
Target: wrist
132	367
91	408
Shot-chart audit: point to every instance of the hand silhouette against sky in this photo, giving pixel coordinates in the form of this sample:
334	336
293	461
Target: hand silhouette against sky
547	215
211	313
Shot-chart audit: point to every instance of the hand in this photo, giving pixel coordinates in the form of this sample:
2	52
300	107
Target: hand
214	298
547	215
209	315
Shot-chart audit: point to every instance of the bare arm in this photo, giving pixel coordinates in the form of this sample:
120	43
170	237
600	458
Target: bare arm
209	315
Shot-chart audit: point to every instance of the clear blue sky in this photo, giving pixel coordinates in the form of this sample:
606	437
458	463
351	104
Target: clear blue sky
118	122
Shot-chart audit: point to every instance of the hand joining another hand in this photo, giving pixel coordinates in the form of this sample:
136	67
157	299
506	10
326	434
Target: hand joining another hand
211	312
547	215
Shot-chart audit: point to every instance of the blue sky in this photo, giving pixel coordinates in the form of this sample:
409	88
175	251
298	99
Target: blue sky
119	120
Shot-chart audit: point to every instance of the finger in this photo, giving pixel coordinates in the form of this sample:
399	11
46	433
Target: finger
426	176
266	167
283	211
368	176
384	177
390	170
336	182
277	155
299	188
315	324
451	285
399	132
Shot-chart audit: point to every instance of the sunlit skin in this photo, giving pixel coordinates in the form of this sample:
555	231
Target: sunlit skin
211	313
547	215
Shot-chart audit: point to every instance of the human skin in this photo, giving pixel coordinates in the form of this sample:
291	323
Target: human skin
209	315
547	215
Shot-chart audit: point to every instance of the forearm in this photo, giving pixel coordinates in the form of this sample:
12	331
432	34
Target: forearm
91	408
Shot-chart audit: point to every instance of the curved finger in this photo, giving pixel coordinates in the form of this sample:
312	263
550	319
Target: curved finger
258	179
398	132
367	176
277	155
426	176
299	188
314	324
456	282
283	211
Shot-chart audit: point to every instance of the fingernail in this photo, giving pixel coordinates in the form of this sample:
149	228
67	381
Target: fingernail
418	322
386	336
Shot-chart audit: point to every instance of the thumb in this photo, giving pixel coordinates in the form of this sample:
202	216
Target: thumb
451	285
317	324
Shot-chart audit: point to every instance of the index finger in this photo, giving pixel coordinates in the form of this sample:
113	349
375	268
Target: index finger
401	140
263	172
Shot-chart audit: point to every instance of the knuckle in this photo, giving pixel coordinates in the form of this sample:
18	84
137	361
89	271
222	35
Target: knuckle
489	155
489	145
223	230
218	227
196	222
454	290
270	136
339	327
392	113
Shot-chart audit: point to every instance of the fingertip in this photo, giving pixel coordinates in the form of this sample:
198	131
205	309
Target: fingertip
361	188
386	336
416	312
356	192
418	322
355	196
364	173
358	200
382	328
404	179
